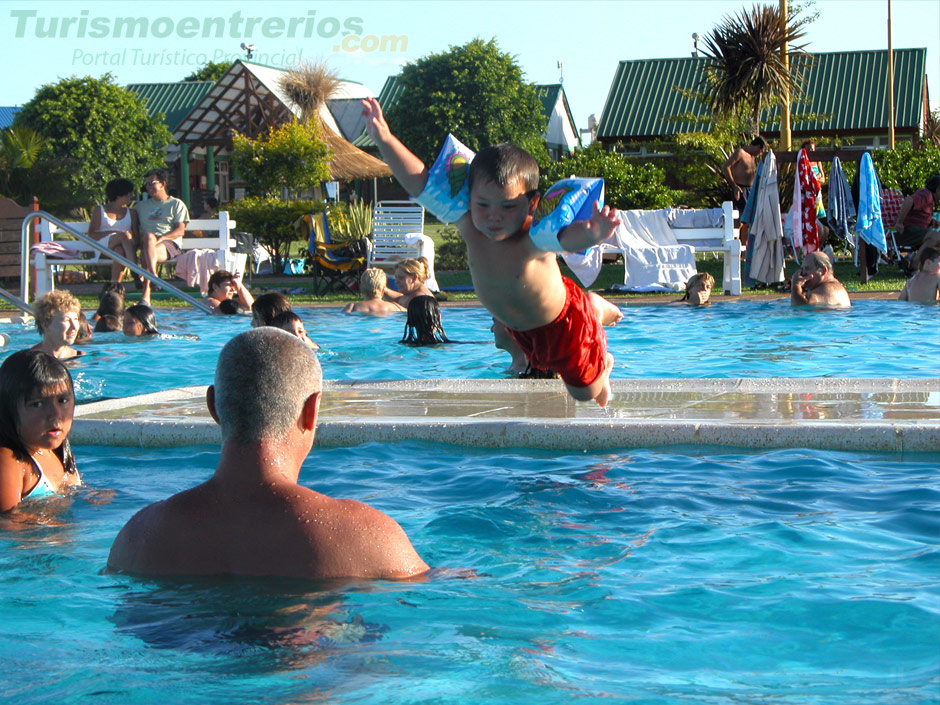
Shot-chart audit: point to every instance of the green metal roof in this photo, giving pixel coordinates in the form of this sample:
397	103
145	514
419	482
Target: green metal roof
848	86
174	100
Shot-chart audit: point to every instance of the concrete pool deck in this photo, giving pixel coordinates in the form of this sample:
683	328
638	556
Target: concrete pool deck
898	415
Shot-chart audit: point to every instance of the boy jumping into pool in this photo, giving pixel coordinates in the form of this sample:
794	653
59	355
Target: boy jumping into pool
518	282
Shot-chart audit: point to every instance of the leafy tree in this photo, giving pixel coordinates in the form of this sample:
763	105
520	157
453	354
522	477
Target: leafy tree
628	185
212	71
746	60
293	156
99	129
475	91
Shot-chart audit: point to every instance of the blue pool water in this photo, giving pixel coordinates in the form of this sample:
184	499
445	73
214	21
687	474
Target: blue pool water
663	576
728	339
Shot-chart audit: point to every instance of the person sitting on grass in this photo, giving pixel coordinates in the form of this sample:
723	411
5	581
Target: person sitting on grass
225	285
814	283
517	278
372	285
253	517
924	287
56	315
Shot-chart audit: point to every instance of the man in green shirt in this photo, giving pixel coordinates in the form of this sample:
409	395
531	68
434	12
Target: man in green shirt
159	225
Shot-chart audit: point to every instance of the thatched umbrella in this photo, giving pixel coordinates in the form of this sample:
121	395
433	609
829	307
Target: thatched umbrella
309	87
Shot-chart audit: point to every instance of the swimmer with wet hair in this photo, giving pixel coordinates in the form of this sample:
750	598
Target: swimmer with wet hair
267	307
424	326
252	518
290	322
57	320
37	402
140	319
372	285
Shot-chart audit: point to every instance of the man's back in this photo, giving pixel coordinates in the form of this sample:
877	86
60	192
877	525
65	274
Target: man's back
268	530
923	287
374	307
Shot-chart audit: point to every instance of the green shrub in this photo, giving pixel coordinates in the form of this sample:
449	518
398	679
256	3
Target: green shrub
451	253
271	221
906	168
627	185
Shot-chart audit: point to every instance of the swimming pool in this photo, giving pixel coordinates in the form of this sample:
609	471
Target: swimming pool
725	340
657	577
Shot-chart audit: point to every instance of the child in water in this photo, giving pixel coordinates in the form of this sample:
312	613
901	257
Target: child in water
423	326
36	406
516	276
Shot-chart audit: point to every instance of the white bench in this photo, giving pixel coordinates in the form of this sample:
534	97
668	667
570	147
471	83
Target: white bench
398	234
223	243
723	239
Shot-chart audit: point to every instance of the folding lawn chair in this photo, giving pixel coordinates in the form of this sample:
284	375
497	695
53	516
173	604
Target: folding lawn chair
334	265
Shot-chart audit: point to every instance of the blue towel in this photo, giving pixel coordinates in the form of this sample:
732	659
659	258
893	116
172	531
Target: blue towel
869	226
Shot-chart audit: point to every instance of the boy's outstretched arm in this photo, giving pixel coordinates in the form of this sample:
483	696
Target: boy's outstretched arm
407	168
583	234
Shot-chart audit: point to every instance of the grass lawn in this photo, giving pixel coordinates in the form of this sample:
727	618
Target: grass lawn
299	288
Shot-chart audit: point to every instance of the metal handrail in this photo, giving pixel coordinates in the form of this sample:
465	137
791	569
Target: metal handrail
99	247
16	301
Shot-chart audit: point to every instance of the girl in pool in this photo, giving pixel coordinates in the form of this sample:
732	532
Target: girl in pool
423	326
410	276
698	290
140	320
56	315
36	405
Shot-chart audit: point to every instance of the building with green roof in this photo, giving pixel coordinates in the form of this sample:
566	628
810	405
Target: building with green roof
845	91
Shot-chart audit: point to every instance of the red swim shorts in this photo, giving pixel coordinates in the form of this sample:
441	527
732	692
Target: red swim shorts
573	345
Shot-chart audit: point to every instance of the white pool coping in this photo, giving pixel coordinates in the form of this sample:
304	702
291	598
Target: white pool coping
898	415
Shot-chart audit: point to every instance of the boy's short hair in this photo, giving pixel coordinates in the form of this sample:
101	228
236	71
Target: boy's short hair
930	253
933	183
372	282
760	142
50	303
505	164
116	188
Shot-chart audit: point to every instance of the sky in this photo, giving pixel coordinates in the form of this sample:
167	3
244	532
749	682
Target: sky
366	41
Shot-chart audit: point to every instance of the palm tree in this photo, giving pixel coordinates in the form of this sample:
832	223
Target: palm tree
746	60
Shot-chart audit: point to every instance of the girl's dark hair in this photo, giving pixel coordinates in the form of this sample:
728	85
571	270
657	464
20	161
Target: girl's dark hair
22	375
108	323
116	188
423	326
145	315
230	307
268	306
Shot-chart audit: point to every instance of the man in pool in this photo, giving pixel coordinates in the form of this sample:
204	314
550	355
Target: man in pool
252	517
815	284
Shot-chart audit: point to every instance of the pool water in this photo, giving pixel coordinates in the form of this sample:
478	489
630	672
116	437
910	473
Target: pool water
728	339
662	576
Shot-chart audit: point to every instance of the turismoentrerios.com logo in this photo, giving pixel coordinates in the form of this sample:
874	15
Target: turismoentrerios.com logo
31	25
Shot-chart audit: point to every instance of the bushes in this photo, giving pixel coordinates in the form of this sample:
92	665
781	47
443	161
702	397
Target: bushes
628	185
271	221
906	168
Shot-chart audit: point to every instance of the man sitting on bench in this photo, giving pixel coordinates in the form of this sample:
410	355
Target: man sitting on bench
159	226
